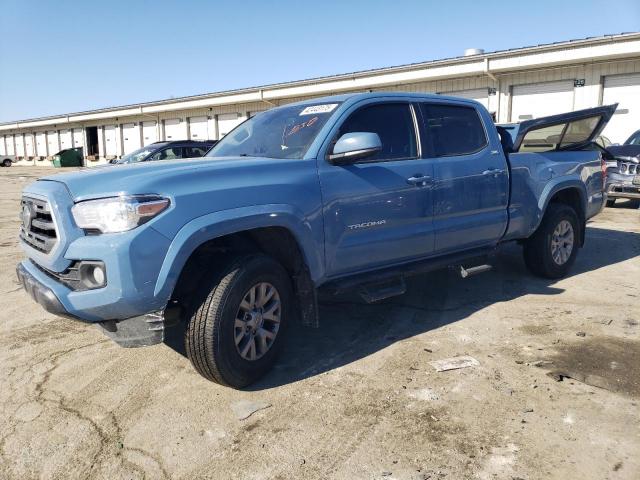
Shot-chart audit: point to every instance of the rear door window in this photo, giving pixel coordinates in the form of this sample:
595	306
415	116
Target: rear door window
169	153
451	130
393	122
196	151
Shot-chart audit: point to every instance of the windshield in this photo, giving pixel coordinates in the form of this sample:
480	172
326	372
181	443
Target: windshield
135	156
285	132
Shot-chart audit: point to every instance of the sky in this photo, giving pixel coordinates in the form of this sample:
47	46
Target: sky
60	56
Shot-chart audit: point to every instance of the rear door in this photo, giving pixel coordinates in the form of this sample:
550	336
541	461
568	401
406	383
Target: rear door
471	191
375	213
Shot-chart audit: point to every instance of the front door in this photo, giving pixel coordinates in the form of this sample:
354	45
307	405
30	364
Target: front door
378	211
471	190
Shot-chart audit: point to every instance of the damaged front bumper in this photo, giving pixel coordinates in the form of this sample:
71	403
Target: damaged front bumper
623	186
139	331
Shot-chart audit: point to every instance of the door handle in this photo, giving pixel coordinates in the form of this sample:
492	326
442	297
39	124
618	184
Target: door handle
419	180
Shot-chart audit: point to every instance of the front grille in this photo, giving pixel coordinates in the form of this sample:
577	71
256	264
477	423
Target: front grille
37	228
628	168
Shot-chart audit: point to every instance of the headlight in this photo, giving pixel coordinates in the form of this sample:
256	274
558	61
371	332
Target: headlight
117	214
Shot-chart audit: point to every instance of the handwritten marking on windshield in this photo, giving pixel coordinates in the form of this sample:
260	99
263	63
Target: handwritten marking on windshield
295	129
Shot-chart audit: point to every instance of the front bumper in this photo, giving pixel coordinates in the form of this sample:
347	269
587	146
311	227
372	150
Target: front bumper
139	331
41	293
622	186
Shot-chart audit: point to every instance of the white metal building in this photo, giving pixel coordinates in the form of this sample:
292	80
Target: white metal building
514	85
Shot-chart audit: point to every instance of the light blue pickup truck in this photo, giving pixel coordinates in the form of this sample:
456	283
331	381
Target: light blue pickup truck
345	192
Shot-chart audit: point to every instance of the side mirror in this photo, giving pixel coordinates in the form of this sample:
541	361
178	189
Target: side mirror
354	146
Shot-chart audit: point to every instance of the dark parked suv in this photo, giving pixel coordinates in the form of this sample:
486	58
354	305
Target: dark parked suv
167	151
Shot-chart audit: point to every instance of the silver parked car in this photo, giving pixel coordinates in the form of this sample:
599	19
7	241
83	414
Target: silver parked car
623	171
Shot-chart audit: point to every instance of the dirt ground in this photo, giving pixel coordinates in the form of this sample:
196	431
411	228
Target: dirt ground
356	398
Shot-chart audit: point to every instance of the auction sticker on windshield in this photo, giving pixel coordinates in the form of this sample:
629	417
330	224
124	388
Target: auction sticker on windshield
326	108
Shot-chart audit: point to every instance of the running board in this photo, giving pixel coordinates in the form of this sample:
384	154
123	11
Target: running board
471	271
375	292
392	274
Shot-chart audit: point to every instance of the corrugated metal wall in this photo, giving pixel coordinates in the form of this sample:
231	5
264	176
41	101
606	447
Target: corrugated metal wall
153	127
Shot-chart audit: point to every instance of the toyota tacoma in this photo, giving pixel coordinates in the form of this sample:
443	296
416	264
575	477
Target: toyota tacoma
346	192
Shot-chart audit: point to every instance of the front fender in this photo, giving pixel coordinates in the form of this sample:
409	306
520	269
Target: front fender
225	222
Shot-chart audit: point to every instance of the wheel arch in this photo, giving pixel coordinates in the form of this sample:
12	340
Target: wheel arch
278	232
572	194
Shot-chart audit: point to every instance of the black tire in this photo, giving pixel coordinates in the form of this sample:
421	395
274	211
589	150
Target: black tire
6	162
611	202
537	249
210	333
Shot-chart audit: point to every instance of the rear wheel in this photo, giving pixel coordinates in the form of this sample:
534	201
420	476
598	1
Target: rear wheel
235	334
611	202
551	250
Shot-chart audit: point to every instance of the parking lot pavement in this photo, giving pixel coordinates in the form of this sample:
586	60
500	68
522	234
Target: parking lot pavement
356	398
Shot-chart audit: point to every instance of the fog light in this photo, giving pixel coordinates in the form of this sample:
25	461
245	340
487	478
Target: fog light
98	275
92	274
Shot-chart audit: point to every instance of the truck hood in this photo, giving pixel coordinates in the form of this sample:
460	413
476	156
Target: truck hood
628	152
142	178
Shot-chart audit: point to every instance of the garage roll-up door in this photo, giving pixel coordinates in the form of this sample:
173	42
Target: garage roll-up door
110	144
41	144
3	148
130	137
149	133
198	128
29	147
78	137
541	99
226	123
52	142
65	139
175	129
478	94
20	145
10	146
625	91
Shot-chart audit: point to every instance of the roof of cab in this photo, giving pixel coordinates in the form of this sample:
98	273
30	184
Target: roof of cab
353	97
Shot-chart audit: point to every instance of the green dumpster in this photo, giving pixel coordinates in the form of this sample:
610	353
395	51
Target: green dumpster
69	157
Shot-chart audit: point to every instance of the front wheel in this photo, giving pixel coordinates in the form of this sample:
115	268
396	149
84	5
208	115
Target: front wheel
234	335
551	250
611	202
6	162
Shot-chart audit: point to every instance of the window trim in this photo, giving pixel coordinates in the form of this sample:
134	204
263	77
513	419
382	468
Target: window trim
455	105
416	132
